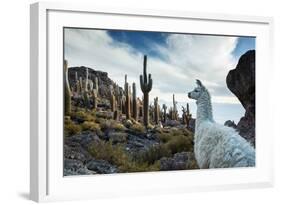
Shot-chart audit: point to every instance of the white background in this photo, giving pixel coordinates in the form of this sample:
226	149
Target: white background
14	102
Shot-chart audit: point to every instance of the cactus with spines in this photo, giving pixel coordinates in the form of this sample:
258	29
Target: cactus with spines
128	100
175	111
115	115
86	80
187	108
131	99
135	105
183	115
156	111
86	100
95	98
112	100
123	104
146	86
81	84
91	85
67	91
171	113
97	85
165	112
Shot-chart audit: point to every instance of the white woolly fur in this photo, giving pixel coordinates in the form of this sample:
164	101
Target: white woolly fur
215	145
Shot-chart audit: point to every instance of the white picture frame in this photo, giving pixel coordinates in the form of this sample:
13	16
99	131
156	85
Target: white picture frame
46	178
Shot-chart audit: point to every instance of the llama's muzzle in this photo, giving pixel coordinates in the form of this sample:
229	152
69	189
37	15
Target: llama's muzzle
188	94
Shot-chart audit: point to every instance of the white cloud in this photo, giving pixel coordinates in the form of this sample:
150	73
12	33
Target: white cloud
186	58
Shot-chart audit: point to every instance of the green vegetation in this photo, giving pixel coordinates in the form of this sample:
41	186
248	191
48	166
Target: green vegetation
115	154
70	128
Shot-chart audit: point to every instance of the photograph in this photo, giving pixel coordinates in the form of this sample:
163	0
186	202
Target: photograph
148	101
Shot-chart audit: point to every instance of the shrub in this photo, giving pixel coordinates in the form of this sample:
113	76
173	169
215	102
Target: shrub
104	115
70	128
107	151
179	143
112	124
177	140
115	154
84	115
153	154
138	128
117	137
89	125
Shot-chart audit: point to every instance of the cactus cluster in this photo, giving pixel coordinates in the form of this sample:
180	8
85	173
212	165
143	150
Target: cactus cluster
125	101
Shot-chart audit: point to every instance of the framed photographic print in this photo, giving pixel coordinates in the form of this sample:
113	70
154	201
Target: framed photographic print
127	102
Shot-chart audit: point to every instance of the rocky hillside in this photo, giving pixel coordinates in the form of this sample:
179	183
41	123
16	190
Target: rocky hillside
103	80
241	82
104	130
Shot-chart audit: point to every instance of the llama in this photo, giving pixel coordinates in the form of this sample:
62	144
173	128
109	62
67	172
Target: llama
215	145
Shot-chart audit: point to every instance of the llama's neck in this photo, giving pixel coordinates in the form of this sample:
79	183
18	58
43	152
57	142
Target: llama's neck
204	108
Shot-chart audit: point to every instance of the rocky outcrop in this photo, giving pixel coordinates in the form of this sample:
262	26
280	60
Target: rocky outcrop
104	81
241	82
180	161
101	167
230	123
75	167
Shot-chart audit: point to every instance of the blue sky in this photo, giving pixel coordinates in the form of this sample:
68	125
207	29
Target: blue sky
141	41
174	61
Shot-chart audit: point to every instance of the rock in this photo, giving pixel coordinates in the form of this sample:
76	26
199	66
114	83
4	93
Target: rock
117	137
85	139
140	142
104	81
241	82
101	167
180	161
191	125
76	152
230	123
75	167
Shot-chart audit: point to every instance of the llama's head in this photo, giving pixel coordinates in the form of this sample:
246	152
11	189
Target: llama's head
198	91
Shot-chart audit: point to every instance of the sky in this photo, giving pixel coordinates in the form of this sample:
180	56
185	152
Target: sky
174	61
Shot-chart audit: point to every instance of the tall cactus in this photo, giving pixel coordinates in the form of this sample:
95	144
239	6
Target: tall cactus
86	81
97	84
146	86
112	100
165	112
67	91
187	108
156	111
135	107
95	98
128	101
175	111
81	84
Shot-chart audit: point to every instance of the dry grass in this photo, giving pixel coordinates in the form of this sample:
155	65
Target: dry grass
115	154
70	128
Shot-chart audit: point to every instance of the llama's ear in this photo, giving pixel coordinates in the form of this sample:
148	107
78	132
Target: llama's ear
198	82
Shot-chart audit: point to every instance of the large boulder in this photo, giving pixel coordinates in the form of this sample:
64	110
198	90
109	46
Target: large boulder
241	82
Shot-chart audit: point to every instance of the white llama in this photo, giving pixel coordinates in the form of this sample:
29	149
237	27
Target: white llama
215	145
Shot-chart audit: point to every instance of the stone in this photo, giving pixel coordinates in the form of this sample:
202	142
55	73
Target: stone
180	161
101	167
230	123
241	82
75	167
